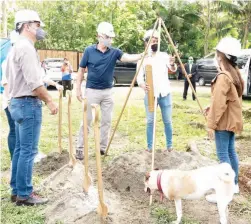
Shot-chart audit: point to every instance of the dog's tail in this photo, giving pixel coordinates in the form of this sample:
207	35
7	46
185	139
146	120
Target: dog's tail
226	172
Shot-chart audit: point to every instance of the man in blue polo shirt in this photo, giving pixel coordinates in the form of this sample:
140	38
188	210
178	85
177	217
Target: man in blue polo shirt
100	60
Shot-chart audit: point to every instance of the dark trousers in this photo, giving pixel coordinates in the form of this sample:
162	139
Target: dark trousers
67	86
186	85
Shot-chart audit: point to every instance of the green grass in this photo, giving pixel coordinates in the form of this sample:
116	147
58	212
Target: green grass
132	128
164	217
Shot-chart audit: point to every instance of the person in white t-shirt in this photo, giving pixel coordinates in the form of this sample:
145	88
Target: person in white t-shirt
160	62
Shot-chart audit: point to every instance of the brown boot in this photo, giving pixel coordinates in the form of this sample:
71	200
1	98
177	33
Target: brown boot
31	200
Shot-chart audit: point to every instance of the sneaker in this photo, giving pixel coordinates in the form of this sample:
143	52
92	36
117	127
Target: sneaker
236	189
102	152
148	150
31	200
79	155
13	198
211	198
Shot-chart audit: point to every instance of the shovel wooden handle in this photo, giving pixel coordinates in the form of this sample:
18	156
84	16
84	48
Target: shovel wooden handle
60	122
102	208
87	178
150	94
72	161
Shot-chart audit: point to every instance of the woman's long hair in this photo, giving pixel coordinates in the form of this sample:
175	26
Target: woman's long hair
230	66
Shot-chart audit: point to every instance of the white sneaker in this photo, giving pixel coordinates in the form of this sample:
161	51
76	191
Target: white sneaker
236	189
211	198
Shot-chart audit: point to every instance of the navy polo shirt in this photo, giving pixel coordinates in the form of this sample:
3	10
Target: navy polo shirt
100	66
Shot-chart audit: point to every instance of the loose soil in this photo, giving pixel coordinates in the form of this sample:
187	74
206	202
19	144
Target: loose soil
124	191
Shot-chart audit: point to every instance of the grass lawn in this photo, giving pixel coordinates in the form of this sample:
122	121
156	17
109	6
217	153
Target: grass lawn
132	127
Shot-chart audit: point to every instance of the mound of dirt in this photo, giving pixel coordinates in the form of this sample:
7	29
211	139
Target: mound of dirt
123	191
51	163
126	172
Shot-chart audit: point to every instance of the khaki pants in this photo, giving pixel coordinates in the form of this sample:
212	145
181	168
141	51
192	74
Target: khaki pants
102	97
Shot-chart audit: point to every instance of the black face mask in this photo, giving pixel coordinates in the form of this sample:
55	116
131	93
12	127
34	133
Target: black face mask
154	47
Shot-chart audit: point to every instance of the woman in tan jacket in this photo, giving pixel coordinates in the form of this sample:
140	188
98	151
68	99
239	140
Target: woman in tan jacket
224	116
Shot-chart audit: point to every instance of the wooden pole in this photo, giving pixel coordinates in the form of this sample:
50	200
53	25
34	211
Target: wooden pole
155	115
87	178
72	161
150	94
130	90
159	34
60	122
182	67
154	138
102	208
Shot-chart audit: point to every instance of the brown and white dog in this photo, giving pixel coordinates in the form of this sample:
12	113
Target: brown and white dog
194	184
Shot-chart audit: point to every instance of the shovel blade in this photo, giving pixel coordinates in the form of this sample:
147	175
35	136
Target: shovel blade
87	183
102	210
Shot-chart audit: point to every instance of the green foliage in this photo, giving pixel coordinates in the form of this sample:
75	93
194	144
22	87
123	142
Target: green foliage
195	27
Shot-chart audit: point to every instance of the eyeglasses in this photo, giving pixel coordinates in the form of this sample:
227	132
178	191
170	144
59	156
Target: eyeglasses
37	23
106	37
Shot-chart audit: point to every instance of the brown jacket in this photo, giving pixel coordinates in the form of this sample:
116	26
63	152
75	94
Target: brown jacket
225	112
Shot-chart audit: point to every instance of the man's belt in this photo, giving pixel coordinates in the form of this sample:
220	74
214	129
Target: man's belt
21	97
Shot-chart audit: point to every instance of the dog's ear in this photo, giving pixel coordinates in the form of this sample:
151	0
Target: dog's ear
147	176
156	169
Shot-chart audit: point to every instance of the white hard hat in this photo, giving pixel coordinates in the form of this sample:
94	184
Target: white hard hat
149	33
229	46
26	15
14	35
106	28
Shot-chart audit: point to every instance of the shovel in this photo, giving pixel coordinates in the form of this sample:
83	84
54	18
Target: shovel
60	122
87	178
72	161
102	208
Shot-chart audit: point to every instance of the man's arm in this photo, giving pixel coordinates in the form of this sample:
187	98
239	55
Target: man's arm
81	71
33	77
80	78
171	65
131	57
43	95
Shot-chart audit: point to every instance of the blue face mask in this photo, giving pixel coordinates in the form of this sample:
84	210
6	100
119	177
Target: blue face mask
190	61
106	42
40	34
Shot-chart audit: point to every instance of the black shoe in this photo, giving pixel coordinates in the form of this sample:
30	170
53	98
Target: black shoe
31	200
102	152
13	198
79	155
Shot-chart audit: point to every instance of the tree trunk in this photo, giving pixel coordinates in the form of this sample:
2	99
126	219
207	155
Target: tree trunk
5	19
207	28
245	37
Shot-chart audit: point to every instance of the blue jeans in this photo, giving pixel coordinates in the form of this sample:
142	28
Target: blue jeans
165	104
27	113
225	147
12	133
